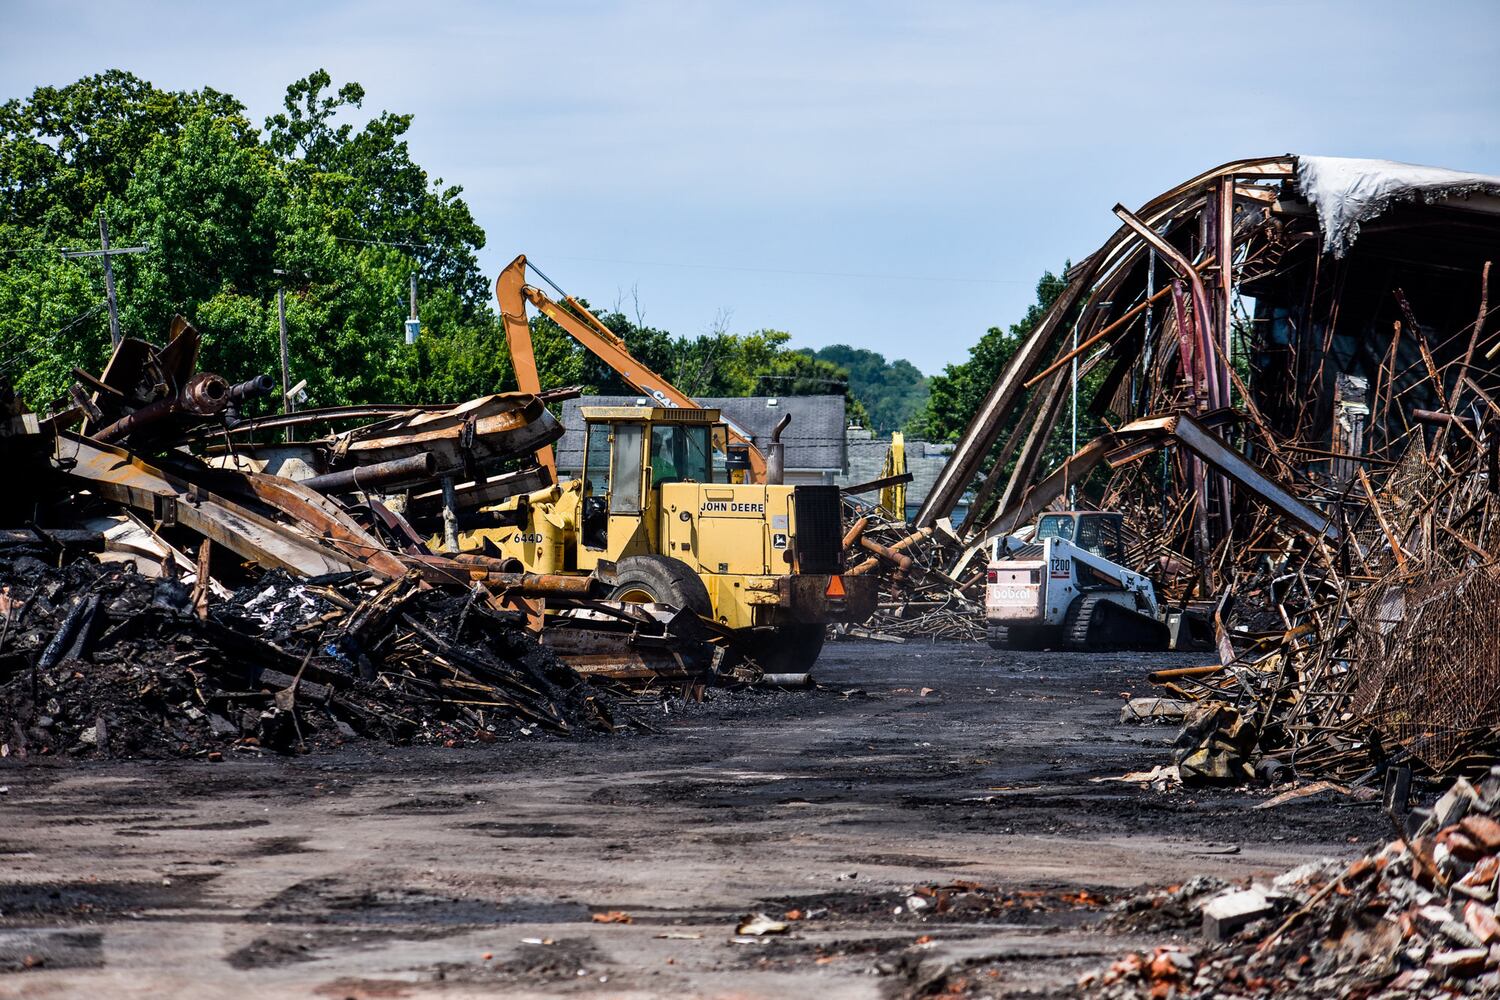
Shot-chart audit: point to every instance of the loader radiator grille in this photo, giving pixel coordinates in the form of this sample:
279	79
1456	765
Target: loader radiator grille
819	529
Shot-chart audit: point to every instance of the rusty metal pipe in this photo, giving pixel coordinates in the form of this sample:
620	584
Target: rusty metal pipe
1082	348
901	562
381	475
905	543
498	573
204	395
1439	417
855	530
1203	324
466	568
260	385
1163	676
536	584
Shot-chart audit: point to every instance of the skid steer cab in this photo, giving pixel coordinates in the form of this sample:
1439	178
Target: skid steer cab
765	560
1065	587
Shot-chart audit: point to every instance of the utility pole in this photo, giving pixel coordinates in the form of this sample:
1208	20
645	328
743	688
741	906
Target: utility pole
109	282
286	383
107	252
1073	488
413	325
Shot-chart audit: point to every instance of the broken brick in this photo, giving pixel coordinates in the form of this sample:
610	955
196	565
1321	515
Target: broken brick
1483	830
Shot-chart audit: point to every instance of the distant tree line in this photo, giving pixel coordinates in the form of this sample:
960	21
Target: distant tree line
341	217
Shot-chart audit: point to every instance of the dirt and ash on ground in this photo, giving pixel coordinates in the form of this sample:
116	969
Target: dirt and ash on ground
926	823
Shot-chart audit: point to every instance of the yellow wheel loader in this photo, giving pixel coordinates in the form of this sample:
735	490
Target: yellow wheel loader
764	560
664	497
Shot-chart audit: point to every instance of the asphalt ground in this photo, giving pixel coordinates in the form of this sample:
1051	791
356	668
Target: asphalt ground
948	774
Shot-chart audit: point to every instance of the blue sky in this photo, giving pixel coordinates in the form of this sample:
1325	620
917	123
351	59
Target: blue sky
889	175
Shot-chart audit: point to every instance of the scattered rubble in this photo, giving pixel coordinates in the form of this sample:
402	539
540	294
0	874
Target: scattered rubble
161	467
918	599
1415	919
180	578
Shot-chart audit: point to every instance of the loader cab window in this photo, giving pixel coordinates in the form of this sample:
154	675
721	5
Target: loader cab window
596	461
1055	526
1100	534
681	453
595	527
625	471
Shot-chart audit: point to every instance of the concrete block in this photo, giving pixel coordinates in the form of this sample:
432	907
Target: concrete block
1154	710
1226	914
1454	804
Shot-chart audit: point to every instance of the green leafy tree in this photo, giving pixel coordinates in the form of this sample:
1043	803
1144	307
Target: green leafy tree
66	149
893	391
342	210
326	203
370	189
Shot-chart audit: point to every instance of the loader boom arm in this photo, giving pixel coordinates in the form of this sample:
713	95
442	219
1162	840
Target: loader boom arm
512	293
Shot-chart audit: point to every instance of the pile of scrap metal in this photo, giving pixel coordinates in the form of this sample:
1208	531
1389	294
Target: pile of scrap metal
918	598
1294	361
153	464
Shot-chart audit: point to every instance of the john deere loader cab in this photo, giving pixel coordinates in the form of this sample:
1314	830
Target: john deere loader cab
656	500
626	459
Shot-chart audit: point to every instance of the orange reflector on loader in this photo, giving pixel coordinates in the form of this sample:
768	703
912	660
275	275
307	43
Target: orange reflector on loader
835	587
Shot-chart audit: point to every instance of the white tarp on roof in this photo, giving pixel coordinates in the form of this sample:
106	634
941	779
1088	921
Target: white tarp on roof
1347	192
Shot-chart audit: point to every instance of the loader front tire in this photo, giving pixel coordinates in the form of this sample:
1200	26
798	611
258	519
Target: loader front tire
661	580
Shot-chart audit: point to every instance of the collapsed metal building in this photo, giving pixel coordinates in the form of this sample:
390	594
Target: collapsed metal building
1293	358
1355	268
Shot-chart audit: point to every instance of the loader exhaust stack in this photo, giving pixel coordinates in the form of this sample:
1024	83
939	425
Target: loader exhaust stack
776	457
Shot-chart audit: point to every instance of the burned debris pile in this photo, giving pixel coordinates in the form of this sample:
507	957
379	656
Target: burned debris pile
179	577
1414	919
101	660
1389	662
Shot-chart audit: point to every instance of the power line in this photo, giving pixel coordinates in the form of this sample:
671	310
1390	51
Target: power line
82	316
787	270
12	359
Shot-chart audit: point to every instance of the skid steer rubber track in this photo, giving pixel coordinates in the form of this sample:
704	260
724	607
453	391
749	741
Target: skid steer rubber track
1094	622
1014	637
